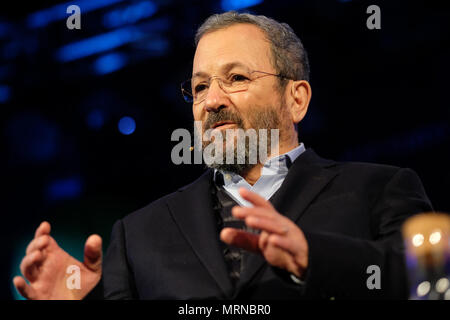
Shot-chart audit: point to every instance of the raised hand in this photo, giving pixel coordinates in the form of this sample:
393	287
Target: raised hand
45	265
281	241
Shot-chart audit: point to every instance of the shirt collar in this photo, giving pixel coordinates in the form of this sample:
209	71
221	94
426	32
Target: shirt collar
276	165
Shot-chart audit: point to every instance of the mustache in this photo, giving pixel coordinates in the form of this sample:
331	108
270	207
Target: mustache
223	115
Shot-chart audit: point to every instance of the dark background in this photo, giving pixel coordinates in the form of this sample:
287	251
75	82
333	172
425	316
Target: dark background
378	96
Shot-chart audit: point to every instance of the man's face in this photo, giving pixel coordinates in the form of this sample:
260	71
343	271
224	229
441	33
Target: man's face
235	50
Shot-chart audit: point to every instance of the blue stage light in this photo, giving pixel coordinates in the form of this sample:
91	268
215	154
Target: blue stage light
95	119
109	63
5	93
32	138
98	44
130	14
114	39
156	46
5	29
127	125
155	26
44	17
228	5
63	189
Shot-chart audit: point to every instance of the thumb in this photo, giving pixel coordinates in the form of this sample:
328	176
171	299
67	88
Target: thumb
93	253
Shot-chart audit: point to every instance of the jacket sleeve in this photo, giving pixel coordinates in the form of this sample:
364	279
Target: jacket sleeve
338	264
117	278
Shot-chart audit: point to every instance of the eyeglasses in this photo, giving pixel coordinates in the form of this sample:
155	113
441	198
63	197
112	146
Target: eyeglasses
195	90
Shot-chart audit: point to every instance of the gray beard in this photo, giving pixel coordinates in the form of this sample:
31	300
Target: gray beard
263	119
236	166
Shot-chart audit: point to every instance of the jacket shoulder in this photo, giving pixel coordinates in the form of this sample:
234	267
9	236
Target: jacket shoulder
353	166
158	208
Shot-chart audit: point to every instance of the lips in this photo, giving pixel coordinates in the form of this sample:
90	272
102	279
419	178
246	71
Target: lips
221	123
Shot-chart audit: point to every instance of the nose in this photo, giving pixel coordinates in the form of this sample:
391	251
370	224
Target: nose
216	98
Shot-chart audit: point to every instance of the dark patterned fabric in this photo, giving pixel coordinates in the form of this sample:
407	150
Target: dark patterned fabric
223	204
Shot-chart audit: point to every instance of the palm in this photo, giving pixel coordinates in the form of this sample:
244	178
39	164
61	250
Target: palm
46	268
51	281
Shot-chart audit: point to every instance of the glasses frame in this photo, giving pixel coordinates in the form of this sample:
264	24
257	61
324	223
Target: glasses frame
189	97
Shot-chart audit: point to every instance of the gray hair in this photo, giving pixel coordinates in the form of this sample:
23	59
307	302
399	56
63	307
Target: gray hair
289	58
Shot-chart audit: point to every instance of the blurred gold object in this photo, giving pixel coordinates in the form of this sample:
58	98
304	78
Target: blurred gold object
426	238
427	234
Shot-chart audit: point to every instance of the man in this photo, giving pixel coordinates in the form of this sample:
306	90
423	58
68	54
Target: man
294	226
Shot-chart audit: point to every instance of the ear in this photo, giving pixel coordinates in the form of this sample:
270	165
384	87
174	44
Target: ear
300	96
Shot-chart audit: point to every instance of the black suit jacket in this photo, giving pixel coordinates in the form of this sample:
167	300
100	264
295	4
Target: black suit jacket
351	214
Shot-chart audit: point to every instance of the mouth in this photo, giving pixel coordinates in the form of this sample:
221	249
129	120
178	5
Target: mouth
222	124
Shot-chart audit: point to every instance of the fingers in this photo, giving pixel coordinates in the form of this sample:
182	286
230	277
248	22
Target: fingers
281	241
24	289
255	198
242	212
93	253
34	257
276	226
276	256
263	238
29	265
39	243
241	239
44	228
263	219
296	246
284	243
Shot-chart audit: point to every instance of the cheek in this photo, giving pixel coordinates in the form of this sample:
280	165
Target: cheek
240	108
245	99
257	98
250	106
243	102
197	113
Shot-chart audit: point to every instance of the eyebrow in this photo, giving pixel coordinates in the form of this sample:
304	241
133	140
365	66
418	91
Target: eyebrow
224	69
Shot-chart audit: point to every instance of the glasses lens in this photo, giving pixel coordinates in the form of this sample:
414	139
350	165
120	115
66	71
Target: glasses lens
186	91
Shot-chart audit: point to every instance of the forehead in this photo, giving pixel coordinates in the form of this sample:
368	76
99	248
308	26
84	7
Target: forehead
245	44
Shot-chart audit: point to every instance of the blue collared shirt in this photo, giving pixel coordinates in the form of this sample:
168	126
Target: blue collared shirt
273	174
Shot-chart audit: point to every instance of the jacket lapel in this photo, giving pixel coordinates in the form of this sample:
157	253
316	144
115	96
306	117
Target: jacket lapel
306	178
192	211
